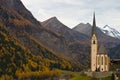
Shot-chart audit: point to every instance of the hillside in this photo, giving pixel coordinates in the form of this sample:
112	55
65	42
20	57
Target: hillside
77	43
23	42
34	50
55	25
108	41
17	60
20	21
115	52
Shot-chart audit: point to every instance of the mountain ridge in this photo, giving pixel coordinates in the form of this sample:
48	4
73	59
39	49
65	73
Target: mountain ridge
50	39
56	26
111	31
103	38
74	39
18	60
12	18
27	31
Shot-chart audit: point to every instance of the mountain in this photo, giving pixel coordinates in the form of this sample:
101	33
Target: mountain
56	26
26	47
16	7
108	41
35	48
83	28
32	34
19	21
17	60
115	52
77	43
111	31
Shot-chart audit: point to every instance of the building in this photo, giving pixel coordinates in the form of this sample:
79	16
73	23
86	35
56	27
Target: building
99	58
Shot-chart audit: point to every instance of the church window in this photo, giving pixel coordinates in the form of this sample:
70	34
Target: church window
102	60
93	42
105	60
99	60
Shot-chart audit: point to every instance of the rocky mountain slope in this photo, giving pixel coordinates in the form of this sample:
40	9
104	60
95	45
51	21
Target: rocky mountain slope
115	52
26	48
83	28
108	41
111	31
111	43
20	21
47	41
77	43
56	26
80	48
16	59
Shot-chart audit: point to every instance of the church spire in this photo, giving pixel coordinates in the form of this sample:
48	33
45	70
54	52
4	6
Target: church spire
94	25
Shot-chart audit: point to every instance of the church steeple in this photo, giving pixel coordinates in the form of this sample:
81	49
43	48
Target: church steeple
99	59
94	45
94	25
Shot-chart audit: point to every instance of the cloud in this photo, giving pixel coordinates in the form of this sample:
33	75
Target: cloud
72	12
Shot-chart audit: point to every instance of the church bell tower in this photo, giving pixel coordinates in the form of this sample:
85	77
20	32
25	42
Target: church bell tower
94	45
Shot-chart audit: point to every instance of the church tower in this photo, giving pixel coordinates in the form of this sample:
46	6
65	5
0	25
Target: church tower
94	46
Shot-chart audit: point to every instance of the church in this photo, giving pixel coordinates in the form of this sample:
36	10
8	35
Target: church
99	58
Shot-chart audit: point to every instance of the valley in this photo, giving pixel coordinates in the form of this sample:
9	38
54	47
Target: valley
48	50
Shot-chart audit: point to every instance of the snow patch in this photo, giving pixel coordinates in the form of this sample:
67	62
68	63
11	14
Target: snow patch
111	31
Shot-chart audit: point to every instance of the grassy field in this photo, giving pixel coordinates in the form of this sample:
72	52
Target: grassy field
78	76
83	77
74	76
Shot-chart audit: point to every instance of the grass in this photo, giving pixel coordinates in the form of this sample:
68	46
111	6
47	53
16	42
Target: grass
107	78
77	76
80	77
74	76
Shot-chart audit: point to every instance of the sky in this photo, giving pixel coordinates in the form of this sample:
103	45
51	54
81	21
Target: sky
73	12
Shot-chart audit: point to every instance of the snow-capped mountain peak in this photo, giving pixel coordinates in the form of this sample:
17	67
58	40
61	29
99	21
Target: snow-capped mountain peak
111	31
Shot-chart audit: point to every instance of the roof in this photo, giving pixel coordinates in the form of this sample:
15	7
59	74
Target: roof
102	50
94	25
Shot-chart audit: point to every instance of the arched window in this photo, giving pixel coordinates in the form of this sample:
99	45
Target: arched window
93	42
99	60
105	60
102	60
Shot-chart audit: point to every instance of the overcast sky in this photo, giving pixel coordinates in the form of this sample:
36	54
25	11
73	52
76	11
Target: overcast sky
73	12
